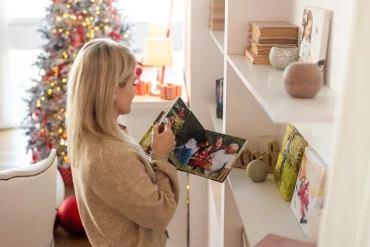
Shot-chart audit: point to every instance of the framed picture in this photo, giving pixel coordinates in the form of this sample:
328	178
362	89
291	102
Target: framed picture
314	36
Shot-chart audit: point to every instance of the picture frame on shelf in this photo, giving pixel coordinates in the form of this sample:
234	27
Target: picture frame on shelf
314	36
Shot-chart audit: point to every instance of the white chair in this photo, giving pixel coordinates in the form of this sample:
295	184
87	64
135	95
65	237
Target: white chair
28	204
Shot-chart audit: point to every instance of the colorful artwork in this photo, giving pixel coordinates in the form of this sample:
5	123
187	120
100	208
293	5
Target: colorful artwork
315	36
309	191
289	161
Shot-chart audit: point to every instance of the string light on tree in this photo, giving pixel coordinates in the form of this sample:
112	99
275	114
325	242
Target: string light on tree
68	26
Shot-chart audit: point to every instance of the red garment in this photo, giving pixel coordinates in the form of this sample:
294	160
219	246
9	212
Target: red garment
202	156
304	196
181	114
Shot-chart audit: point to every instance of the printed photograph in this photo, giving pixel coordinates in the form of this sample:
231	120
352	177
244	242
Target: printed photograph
206	153
315	34
309	191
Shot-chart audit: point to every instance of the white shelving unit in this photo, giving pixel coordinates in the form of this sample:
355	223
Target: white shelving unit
217	122
262	209
256	104
266	85
219	38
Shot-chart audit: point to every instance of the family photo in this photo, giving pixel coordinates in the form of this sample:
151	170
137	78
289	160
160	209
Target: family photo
315	34
208	154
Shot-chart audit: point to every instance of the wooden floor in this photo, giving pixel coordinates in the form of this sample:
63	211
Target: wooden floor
12	152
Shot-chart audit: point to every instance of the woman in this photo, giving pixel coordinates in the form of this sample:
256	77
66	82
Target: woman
124	198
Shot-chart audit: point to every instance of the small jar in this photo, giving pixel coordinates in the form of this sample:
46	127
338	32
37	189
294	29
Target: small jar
281	56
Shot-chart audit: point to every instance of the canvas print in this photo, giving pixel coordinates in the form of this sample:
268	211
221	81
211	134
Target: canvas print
309	191
315	35
208	154
289	161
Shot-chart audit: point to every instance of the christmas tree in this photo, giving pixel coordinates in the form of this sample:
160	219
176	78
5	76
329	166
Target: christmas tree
69	24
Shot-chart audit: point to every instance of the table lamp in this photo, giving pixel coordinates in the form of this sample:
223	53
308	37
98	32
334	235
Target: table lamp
158	52
157	30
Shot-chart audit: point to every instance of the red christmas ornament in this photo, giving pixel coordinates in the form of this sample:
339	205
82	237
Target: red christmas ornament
69	217
139	71
115	35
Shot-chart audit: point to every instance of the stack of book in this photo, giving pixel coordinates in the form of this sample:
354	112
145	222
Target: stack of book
263	35
217	15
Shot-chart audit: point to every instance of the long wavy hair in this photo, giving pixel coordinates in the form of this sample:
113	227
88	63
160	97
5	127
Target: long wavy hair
100	66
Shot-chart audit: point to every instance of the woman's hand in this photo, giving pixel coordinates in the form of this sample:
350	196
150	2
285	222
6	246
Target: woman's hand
164	142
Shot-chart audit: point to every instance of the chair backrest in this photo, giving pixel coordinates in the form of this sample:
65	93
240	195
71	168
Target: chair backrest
27	204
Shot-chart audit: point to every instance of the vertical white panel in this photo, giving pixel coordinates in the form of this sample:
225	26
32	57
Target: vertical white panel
347	199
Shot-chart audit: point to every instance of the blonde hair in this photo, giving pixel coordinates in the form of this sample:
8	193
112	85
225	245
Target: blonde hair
100	66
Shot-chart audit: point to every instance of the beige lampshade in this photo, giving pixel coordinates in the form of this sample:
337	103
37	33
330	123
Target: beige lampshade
158	52
157	30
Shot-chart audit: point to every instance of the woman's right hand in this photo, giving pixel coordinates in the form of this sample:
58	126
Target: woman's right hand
164	142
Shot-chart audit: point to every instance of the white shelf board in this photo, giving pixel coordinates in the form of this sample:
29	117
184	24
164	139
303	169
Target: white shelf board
152	102
266	85
219	38
262	208
217	122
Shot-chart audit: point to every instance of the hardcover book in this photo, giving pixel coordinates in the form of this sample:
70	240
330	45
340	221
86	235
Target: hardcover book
273	29
198	151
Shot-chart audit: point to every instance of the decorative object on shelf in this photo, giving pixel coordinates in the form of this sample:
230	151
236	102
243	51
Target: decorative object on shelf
268	145
266	34
219	97
303	80
309	191
158	52
69	217
268	154
289	161
244	159
170	91
217	15
315	35
280	57
143	88
273	240
257	170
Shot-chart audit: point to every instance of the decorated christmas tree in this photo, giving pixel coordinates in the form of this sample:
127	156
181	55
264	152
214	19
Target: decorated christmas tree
69	24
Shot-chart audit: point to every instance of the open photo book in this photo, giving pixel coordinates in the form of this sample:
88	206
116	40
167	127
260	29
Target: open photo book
198	151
